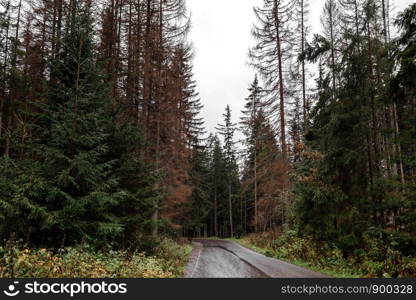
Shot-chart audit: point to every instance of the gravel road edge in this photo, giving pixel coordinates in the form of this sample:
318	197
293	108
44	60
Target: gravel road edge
193	260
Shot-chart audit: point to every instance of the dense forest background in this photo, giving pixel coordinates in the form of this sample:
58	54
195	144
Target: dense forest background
101	139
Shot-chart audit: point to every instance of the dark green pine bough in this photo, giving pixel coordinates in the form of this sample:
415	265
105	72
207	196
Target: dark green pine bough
82	179
357	182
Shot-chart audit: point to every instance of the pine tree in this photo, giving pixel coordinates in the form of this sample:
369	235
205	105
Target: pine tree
264	170
133	194
300	65
189	107
358	131
249	127
23	211
82	157
5	30
196	221
77	131
402	90
273	37
227	131
218	174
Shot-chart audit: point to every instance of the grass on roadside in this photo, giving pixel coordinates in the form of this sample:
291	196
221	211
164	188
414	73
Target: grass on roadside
86	262
298	262
374	261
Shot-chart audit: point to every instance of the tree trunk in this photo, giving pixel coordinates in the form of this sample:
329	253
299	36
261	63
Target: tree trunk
254	114
230	210
281	85
331	28
399	149
215	215
155	218
304	102
13	88
4	83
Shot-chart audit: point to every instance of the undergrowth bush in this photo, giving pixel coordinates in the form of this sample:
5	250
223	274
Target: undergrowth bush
374	259
85	261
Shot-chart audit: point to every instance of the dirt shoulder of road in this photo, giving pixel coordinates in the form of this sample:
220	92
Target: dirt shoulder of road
193	260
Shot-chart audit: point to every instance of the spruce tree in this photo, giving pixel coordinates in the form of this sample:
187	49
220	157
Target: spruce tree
263	172
402	91
218	186
249	127
87	157
269	56
227	131
76	126
200	206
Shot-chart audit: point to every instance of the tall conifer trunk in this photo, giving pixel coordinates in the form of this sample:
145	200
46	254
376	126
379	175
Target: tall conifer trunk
281	82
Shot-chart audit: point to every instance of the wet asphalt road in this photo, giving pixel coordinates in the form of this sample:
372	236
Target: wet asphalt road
226	259
215	262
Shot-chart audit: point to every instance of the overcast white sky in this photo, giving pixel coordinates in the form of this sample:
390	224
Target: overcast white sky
221	37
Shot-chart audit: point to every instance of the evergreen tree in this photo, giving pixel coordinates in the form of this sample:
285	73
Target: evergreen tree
200	206
66	123
269	57
227	131
218	187
402	90
90	180
353	175
263	172
249	127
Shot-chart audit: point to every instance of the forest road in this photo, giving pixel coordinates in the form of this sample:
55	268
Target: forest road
227	259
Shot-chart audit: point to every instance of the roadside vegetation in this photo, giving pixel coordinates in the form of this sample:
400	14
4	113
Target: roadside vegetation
83	170
375	259
166	259
342	181
102	144
332	163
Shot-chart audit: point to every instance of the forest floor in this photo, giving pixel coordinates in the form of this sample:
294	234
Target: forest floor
227	259
166	260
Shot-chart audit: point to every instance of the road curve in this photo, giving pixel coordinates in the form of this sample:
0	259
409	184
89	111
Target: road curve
226	259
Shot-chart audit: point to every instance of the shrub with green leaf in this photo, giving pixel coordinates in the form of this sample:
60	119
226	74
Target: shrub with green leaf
86	261
375	259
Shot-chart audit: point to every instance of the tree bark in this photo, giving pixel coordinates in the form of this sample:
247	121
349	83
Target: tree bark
304	102
281	85
230	210
331	28
4	81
